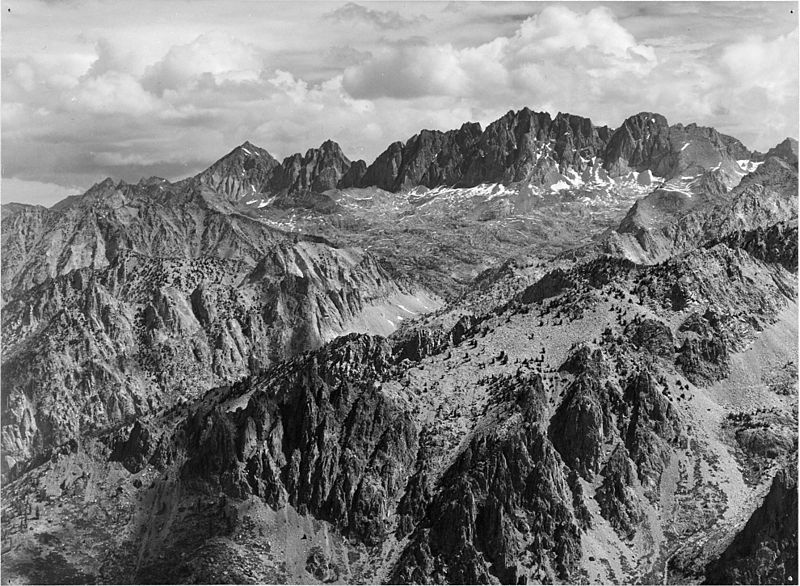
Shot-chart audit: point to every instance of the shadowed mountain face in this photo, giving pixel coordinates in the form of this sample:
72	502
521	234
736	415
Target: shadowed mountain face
543	352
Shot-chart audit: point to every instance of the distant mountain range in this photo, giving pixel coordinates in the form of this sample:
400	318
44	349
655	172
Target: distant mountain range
520	146
540	352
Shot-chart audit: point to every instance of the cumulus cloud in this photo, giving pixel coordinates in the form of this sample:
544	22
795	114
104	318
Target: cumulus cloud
384	19
406	72
211	56
589	63
557	46
40	77
130	99
113	93
558	29
761	63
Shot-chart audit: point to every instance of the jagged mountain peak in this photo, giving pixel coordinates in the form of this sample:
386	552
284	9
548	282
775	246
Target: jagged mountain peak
786	150
635	144
244	171
102	191
327	150
646	142
522	146
526	117
248	149
573	118
471	127
644	119
790	143
248	145
104	185
245	155
560	420
319	170
148	181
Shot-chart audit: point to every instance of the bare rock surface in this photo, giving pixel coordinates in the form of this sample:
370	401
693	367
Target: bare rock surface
540	352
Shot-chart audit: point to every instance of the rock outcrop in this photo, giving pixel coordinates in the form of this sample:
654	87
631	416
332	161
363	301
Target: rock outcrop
317	171
641	143
147	332
507	490
669	221
617	496
785	150
429	158
318	434
646	142
197	391
765	550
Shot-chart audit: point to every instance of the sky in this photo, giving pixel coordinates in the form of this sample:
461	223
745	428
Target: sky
130	89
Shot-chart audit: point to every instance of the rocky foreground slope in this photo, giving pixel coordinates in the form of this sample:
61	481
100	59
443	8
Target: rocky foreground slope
191	394
148	296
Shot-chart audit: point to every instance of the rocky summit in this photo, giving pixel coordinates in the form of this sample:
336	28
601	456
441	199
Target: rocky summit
541	352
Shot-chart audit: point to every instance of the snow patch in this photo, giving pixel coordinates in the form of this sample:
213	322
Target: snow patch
748	166
573	178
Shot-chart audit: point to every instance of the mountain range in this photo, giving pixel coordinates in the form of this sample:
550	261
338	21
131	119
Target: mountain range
540	352
520	146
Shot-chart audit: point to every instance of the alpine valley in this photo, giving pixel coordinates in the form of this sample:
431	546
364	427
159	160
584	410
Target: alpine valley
540	352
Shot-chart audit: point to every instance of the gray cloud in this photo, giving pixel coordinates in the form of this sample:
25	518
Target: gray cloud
384	19
113	91
558	45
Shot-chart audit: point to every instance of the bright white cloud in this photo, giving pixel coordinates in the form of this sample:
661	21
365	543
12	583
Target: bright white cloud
112	93
551	50
558	29
213	56
762	63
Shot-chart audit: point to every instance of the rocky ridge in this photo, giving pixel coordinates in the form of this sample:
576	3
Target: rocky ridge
158	297
582	419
